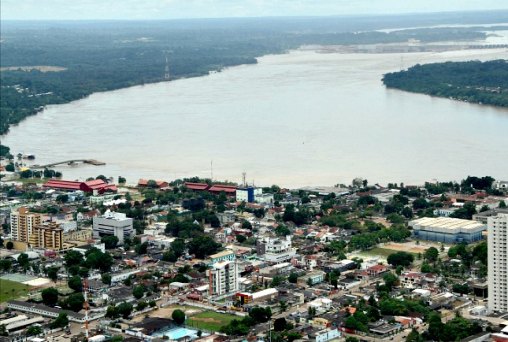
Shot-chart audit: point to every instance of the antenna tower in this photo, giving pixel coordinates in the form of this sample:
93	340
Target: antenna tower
211	170
244	182
85	305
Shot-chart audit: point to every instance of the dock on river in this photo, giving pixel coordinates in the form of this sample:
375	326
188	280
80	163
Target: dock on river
69	162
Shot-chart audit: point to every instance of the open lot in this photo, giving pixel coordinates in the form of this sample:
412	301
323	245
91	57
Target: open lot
11	290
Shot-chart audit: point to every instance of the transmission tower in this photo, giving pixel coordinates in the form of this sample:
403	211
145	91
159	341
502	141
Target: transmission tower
85	305
244	175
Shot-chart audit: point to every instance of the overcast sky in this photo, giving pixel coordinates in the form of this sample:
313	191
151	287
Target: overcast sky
173	9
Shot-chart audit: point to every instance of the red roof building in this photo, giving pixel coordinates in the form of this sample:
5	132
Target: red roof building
97	184
218	188
159	183
196	186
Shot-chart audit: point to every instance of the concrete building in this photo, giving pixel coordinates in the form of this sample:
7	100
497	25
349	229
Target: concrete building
484	215
47	235
22	224
223	278
112	223
226	255
314	277
447	230
274	249
498	262
247	194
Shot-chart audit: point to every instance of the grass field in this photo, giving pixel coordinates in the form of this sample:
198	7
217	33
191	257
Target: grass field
11	290
209	320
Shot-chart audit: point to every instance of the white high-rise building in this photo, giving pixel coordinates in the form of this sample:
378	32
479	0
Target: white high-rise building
223	278
111	223
498	262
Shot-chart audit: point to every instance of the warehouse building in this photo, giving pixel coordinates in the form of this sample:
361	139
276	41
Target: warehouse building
447	230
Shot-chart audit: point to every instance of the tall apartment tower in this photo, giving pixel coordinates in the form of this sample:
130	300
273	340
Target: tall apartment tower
223	278
22	224
498	262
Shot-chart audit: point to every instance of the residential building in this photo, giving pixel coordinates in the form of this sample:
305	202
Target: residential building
22	224
248	194
328	334
112	223
498	262
97	200
314	277
223	278
447	230
483	216
48	235
226	255
275	249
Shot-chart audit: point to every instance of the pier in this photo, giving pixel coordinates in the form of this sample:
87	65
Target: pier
70	162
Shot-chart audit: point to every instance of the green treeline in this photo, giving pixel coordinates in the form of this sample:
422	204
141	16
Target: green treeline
101	56
473	81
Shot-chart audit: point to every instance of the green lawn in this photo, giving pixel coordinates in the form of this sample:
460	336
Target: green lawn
11	290
210	320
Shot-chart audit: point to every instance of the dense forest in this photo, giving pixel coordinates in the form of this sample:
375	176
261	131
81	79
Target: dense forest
102	55
474	81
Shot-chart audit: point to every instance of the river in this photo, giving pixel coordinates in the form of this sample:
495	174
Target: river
302	118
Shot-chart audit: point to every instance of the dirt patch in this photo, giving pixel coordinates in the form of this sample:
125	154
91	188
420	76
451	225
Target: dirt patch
206	319
410	247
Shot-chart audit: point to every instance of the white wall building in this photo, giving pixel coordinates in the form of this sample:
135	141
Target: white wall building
223	278
275	249
498	262
111	223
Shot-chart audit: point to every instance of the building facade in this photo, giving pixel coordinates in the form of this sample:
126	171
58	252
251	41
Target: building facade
111	223
47	235
447	230
275	249
223	278
498	262
22	224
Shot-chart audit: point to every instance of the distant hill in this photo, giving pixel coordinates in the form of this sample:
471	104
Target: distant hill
473	81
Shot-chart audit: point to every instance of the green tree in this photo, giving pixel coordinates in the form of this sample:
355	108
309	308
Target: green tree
9	245
502	204
400	258
260	315
390	280
60	322
293	278
202	246
106	278
75	301
431	254
138	291
112	312
34	330
124	309
279	324
110	241
52	273
241	238
5	265
72	258
24	261
50	296
414	336
75	283
178	316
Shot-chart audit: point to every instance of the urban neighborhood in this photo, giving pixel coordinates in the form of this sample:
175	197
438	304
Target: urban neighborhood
202	260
